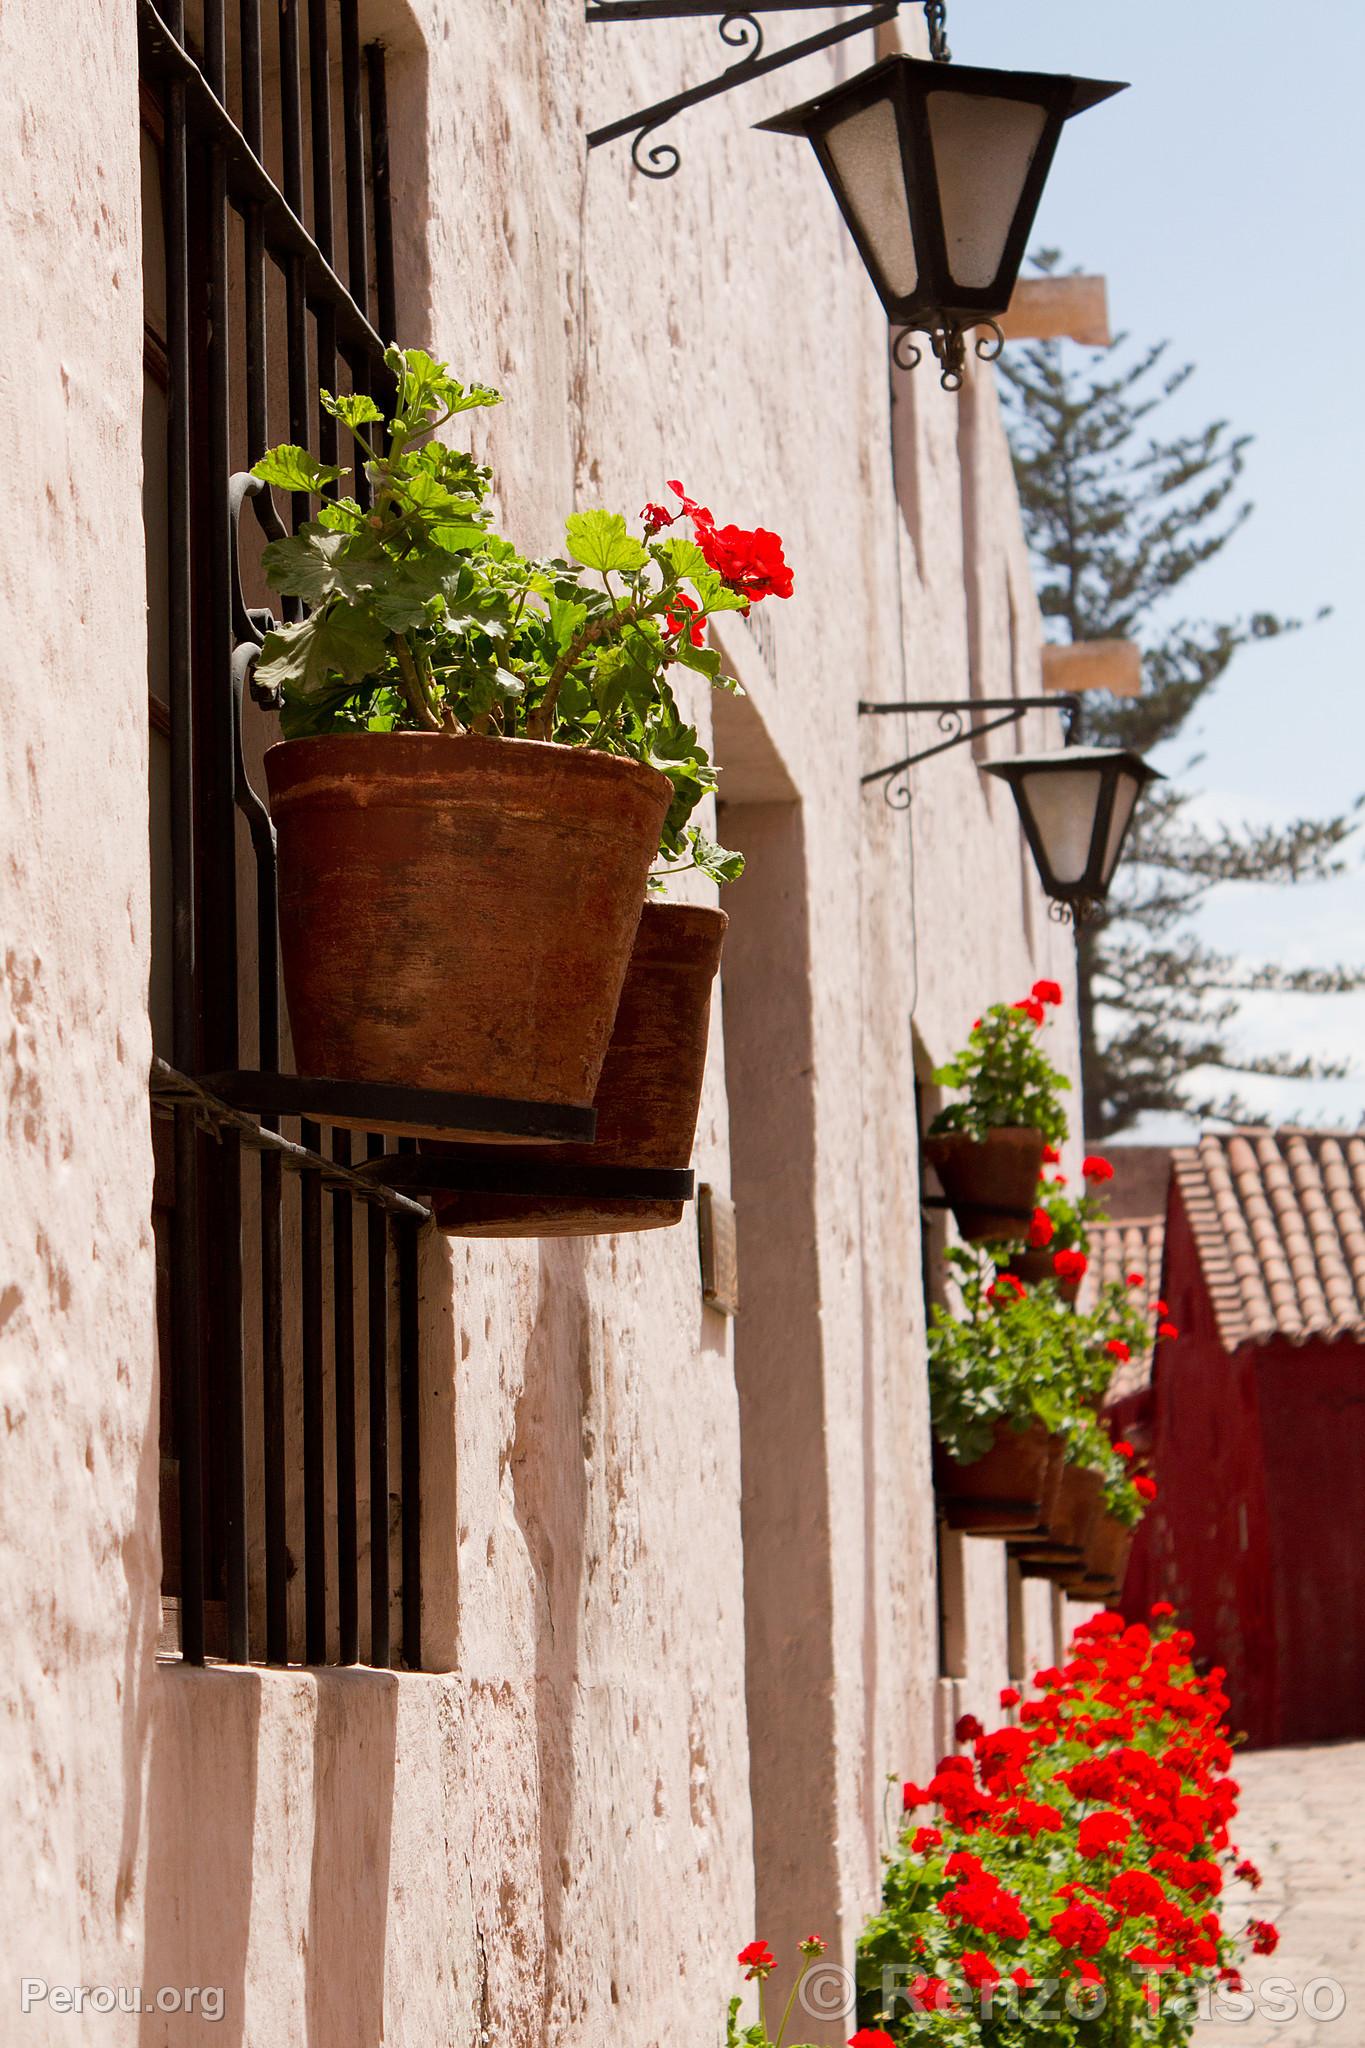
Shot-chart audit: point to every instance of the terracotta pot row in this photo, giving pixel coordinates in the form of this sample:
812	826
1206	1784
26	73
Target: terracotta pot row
1022	1488
464	915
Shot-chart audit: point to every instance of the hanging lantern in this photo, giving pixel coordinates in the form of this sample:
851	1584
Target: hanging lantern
938	169
1076	807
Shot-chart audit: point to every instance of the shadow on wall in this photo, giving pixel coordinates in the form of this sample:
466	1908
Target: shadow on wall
779	1372
549	1461
204	1767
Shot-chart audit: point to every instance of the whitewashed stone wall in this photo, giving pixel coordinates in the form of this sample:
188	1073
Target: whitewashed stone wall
552	1841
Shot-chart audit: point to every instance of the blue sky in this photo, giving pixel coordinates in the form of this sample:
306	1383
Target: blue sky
1222	196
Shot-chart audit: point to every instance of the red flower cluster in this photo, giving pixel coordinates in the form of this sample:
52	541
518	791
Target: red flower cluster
1069	1264
1096	1169
750	561
1005	1290
1041	1231
1121	1761
757	1958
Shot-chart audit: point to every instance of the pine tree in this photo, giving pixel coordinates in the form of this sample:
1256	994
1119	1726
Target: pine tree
1119	515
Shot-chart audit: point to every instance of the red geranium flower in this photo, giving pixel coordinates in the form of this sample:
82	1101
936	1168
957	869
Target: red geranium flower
757	1958
1144	1487
925	1839
1162	1610
968	1729
1041	1231
1119	1350
675	621
1051	1156
1137	1279
1136	1892
871	2037
1022	1978
930	1994
979	1971
1046	992
913	1796
1069	1264
1265	1936
1008	1696
1168	1330
1163	1308
1081	1927
654	517
1098	1833
813	1945
1249	1874
749	561
1097	1169
1031	1008
1123	1449
1005	1290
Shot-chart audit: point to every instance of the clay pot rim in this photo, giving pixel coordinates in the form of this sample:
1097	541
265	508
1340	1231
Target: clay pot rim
1029	1131
515	756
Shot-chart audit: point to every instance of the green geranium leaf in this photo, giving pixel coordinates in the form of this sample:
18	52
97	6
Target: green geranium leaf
292	468
599	540
304	659
318	563
353	408
704	660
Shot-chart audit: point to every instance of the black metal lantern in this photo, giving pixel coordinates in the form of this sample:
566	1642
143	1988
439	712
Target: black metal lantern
1076	807
938	169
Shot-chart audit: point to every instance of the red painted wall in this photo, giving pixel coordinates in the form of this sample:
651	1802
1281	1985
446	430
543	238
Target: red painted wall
1255	1537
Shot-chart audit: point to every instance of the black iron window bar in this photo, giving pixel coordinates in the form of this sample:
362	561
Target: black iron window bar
220	206
739	28
213	171
957	718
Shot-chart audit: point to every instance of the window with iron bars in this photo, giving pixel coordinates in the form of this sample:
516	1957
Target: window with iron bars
288	1319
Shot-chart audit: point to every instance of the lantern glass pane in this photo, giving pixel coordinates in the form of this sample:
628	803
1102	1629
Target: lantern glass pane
1064	803
983	149
866	153
1125	796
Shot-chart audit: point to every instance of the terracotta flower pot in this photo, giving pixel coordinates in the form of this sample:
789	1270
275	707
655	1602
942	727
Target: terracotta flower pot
991	1183
1002	1493
1061	1547
1104	1566
458	913
647	1098
1032	1267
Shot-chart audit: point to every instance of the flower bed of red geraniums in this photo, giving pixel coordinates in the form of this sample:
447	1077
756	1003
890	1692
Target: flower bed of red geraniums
1058	1881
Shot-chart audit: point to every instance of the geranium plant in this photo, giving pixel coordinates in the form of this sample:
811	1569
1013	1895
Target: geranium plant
1063	1888
421	619
1016	1354
1004	1073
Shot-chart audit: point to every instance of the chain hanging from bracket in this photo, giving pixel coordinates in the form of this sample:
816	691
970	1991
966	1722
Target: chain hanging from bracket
936	14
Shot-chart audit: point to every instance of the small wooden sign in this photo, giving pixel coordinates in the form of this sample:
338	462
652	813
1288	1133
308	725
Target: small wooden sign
719	1250
1060	309
1113	665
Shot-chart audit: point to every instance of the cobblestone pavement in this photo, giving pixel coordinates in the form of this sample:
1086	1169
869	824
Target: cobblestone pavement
1301	1822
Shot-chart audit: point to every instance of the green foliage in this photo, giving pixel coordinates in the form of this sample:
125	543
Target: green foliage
420	618
1019	1355
1006	1077
1119	516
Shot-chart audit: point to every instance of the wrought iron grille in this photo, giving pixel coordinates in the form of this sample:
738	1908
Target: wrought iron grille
283	1470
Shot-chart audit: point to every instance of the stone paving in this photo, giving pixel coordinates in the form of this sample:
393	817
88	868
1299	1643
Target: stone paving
1301	1822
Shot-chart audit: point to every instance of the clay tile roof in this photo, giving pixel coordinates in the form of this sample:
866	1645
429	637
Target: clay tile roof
1133	1245
1279	1221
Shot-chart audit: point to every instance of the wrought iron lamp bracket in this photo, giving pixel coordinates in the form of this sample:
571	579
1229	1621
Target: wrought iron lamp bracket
956	718
741	29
